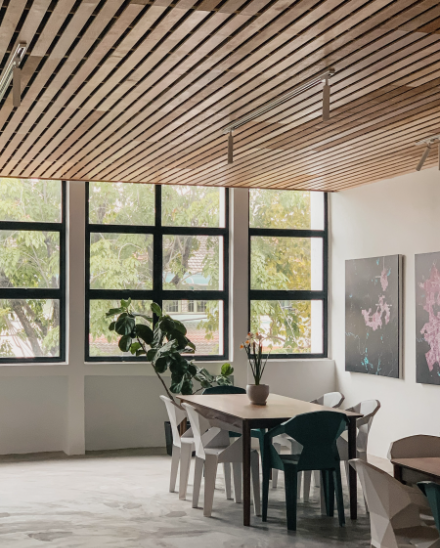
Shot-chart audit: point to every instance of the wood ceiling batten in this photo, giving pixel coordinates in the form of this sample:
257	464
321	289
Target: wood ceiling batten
139	90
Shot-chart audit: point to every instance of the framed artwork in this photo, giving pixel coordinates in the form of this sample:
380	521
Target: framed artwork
373	312
428	318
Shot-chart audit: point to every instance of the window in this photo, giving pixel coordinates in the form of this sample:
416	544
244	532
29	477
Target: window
166	244
32	270
288	271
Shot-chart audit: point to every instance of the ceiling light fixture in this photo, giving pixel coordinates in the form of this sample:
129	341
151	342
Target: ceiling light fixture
323	77
13	71
428	142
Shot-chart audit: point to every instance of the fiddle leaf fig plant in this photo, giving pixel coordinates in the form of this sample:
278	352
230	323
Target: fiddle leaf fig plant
164	345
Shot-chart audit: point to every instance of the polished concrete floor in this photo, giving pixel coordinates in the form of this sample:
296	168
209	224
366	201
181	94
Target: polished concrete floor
122	501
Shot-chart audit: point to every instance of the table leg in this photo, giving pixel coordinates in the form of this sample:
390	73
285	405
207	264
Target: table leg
352	472
246	436
397	472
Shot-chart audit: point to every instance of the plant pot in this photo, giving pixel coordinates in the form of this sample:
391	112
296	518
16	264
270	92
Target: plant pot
257	393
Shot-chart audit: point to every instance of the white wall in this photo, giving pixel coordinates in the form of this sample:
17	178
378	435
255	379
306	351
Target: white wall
400	215
77	406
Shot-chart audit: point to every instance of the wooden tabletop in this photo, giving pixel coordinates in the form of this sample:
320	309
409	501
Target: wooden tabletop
427	465
277	407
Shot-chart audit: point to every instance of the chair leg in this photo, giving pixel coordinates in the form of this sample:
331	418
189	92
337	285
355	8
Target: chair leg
307	475
275	471
236	468
175	459
255	470
185	463
329	490
298	485
228	483
210	475
339	495
317	478
198	470
266	477
322	494
291	488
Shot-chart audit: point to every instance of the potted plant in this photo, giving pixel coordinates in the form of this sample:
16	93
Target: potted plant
253	346
165	346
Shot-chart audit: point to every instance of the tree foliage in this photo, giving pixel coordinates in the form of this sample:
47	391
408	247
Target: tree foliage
280	263
29	259
125	261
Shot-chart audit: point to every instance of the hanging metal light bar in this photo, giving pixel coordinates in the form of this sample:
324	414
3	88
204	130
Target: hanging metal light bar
323	77
428	142
12	71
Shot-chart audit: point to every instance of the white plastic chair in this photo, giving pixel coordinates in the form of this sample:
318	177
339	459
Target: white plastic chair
330	399
368	409
183	446
213	447
394	511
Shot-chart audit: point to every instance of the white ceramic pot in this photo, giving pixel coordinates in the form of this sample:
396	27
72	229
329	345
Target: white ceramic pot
257	393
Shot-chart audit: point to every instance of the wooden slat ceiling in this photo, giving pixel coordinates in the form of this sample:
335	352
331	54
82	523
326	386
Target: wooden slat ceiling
138	91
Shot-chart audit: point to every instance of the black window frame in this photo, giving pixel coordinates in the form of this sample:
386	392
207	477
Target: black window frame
157	294
294	295
43	293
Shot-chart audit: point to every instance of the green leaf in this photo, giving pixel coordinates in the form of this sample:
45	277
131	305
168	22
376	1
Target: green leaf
145	333
112	326
180	327
124	324
126	304
227	370
160	365
192	369
135	347
125	343
143	316
151	354
114	311
187	387
156	309
140	352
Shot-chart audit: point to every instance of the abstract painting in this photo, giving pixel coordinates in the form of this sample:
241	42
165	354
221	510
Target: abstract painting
373	315
428	318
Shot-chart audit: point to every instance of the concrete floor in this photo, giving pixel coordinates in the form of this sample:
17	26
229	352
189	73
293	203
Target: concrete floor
122	501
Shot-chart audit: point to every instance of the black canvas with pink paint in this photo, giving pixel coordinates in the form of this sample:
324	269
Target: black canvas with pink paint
372	315
428	318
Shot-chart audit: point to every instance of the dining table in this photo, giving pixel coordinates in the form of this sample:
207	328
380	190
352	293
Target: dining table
412	470
237	411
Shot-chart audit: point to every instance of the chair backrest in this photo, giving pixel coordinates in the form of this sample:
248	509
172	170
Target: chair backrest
224	390
176	416
331	399
199	426
368	409
415	446
317	433
432	492
388	501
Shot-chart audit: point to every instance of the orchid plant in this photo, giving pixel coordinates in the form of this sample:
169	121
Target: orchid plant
253	347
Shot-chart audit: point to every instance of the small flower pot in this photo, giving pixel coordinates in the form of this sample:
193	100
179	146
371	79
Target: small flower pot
257	393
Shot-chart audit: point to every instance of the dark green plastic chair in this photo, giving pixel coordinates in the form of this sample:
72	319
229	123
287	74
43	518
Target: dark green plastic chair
225	389
317	433
432	492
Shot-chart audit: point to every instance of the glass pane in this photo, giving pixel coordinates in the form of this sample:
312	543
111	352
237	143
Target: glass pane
29	328
193	262
193	206
290	327
286	263
102	341
121	204
121	261
29	258
30	200
204	322
289	209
